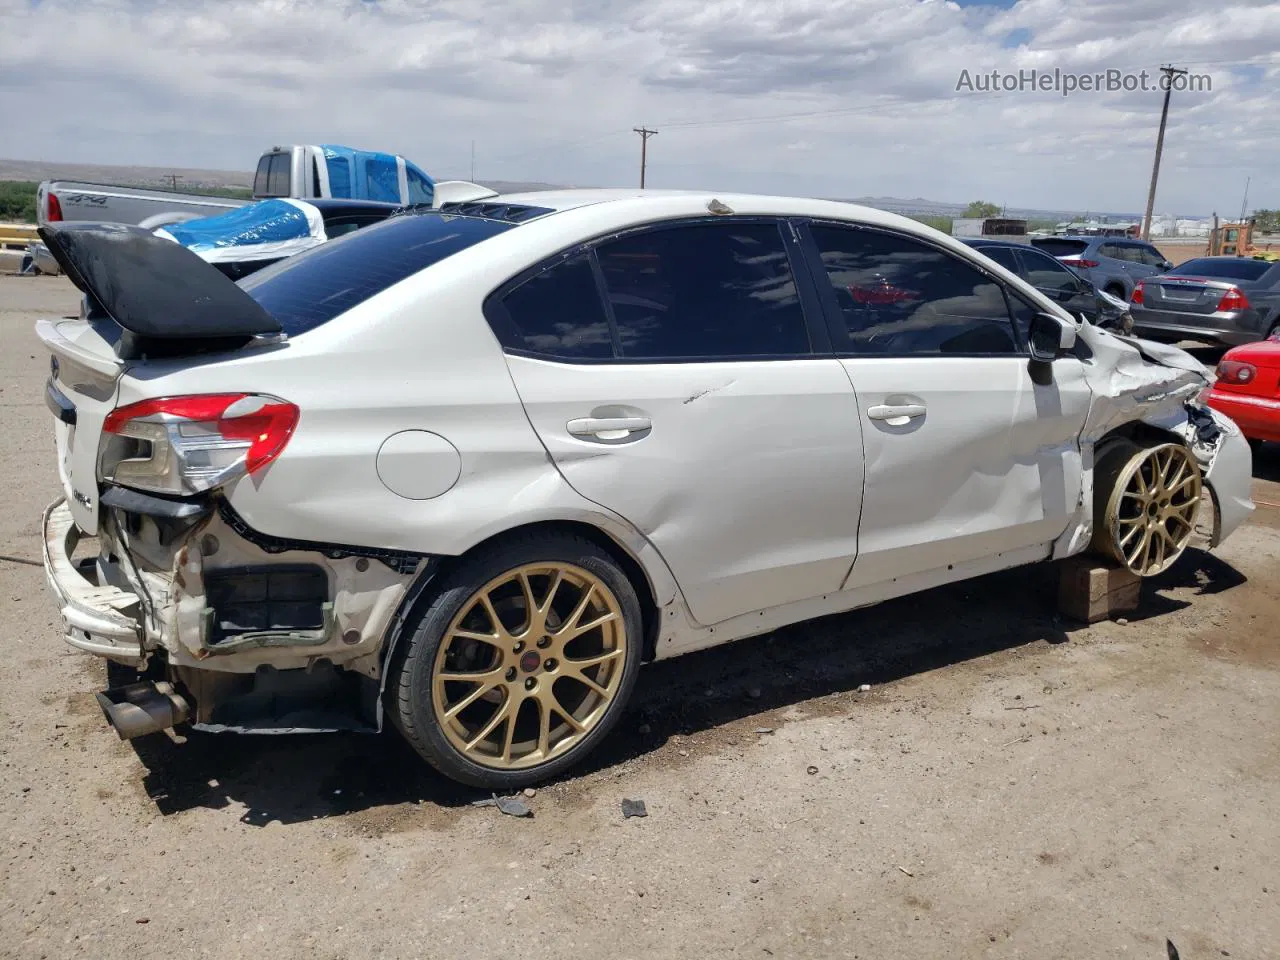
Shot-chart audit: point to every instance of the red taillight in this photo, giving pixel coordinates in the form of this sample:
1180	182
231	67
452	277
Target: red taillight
1137	296
1235	371
1234	299
53	209
192	444
1078	262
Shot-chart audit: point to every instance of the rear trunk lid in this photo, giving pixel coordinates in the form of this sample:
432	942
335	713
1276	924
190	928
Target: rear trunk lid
144	296
1176	294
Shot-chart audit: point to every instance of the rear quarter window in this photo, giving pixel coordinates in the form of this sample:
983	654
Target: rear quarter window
312	288
277	176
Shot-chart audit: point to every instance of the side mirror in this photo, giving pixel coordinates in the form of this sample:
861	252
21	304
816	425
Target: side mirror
1050	337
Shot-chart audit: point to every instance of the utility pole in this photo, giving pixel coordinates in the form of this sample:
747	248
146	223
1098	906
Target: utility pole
1169	72
645	134
1245	202
173	179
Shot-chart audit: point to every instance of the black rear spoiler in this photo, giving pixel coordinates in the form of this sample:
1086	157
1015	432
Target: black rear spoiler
153	287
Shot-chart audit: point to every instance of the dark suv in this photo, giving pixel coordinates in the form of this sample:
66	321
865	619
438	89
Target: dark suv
1113	264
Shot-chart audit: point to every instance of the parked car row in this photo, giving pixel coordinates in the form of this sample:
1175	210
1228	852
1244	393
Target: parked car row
1113	264
573	431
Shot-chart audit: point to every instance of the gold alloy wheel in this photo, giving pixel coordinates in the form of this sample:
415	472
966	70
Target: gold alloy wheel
529	665
1151	511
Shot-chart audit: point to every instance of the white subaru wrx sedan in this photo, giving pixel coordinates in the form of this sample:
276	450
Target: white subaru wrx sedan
469	468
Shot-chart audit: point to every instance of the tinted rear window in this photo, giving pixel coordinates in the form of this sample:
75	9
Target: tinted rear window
1231	268
1059	247
277	176
312	288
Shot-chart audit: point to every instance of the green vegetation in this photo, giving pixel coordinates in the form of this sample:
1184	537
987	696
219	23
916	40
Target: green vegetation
938	223
18	201
980	209
1267	221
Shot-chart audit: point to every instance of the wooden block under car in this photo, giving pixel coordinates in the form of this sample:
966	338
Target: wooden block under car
1089	590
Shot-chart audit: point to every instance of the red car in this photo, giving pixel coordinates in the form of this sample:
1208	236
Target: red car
1248	388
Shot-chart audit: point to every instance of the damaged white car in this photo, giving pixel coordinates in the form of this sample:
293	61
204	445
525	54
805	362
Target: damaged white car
469	468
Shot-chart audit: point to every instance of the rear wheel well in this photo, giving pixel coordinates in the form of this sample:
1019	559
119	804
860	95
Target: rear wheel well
1117	289
626	563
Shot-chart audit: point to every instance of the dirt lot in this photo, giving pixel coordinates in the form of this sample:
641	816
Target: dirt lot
1011	786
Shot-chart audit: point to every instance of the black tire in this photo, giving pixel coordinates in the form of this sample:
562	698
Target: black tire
410	688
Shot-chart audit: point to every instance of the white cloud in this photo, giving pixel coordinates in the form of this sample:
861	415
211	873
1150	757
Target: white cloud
550	90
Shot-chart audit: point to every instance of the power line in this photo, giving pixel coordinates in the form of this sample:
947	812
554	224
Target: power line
645	134
1170	72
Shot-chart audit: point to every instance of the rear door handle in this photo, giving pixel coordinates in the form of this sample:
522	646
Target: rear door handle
896	414
610	429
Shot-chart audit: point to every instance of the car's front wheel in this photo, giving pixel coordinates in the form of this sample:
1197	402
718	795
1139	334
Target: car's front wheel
1145	504
521	663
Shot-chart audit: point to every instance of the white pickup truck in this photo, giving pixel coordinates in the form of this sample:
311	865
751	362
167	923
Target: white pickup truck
301	171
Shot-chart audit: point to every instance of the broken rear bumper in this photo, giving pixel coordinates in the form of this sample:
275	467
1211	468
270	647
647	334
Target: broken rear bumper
99	618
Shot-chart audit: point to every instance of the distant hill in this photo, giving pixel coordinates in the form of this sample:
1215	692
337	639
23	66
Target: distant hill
126	176
919	206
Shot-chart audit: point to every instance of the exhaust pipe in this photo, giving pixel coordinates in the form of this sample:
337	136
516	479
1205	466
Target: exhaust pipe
138	709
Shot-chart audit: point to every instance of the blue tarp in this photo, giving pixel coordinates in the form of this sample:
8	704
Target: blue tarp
259	230
369	175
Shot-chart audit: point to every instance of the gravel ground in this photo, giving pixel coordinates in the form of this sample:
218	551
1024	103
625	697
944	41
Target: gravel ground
1010	786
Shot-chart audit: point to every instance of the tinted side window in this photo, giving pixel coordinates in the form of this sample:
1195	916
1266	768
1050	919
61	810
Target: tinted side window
260	177
1111	250
1047	273
899	296
278	176
1150	256
559	313
704	290
1002	256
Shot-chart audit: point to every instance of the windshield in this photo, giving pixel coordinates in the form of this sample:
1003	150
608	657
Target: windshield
312	288
1231	268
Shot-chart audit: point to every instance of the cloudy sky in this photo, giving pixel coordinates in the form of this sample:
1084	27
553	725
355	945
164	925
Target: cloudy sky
818	97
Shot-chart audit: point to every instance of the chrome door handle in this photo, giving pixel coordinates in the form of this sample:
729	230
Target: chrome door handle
896	414
610	428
